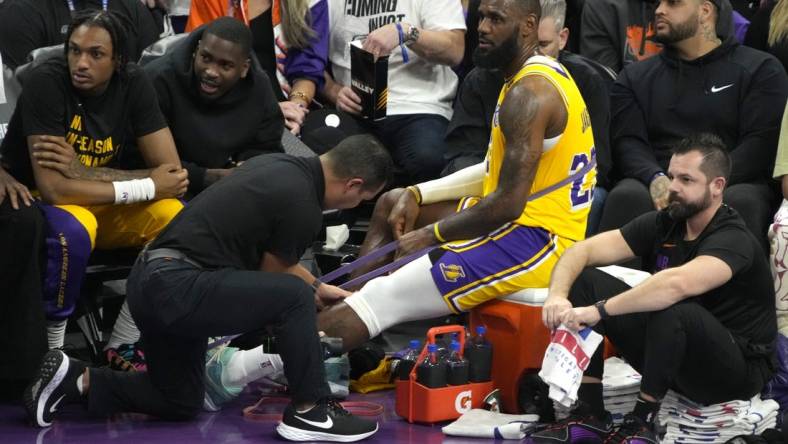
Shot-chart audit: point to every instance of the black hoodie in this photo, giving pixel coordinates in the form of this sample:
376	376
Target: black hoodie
734	91
245	121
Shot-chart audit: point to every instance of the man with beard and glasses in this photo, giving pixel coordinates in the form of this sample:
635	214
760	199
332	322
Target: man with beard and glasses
493	244
703	324
217	101
703	81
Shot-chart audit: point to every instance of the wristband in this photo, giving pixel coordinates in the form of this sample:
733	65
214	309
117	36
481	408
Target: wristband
416	193
405	58
437	233
600	307
135	190
316	284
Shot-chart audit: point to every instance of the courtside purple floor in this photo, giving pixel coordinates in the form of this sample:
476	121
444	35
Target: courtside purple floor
227	426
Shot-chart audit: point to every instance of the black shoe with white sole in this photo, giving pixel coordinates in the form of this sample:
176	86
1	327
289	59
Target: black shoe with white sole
55	384
326	421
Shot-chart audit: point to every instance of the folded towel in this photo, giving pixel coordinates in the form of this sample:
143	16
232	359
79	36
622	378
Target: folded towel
478	423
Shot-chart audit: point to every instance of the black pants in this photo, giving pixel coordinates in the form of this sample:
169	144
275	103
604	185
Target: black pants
683	347
755	202
177	306
23	336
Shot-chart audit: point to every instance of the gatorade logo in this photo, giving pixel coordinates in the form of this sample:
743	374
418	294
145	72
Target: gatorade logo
463	402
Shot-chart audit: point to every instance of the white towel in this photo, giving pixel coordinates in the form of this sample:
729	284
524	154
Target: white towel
478	423
687	422
565	360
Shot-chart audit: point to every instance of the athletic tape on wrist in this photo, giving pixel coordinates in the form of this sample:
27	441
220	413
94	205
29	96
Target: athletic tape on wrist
133	191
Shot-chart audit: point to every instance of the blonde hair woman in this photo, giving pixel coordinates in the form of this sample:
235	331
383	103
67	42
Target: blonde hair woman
290	40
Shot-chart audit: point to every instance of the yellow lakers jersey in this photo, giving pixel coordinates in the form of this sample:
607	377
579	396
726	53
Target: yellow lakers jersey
563	211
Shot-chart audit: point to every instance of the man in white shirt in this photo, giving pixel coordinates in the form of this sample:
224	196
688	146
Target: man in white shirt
420	91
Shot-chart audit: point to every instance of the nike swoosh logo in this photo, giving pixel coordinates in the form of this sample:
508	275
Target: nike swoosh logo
714	89
54	404
327	424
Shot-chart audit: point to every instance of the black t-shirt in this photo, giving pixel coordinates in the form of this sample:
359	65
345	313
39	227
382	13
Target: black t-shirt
744	304
98	128
26	25
272	203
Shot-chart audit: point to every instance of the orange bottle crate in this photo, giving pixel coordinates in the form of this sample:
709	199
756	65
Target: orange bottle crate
417	403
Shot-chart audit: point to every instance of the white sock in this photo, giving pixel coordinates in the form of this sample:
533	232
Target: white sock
246	366
56	333
124	331
80	387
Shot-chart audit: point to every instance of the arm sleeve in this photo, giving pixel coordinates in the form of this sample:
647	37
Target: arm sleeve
632	153
597	36
759	124
730	246
310	62
21	31
640	233
146	116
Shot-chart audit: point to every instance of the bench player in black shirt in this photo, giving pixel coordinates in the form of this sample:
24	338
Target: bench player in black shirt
201	277
77	113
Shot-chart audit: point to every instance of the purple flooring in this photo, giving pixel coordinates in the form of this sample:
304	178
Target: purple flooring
227	426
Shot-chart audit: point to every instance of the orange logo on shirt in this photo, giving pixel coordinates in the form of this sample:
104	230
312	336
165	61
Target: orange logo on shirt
635	39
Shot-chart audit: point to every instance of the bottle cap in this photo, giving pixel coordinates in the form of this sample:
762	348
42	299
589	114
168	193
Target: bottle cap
415	344
432	348
455	345
481	329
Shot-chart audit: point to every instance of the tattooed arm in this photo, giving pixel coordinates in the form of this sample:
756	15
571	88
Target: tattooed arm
531	111
56	154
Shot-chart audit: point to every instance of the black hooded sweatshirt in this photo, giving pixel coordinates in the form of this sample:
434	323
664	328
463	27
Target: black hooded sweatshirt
735	92
244	122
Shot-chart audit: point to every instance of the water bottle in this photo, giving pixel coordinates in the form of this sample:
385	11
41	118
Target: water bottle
458	366
431	372
444	346
479	351
409	359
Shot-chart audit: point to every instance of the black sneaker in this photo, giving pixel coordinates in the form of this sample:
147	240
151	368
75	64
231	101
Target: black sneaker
326	421
56	382
632	430
586	429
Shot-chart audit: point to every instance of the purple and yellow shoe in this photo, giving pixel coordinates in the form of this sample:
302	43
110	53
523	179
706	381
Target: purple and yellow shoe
576	429
632	430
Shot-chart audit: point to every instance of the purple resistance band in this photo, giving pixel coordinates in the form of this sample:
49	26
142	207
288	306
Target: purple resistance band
392	246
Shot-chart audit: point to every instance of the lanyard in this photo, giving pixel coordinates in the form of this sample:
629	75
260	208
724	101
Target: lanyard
73	9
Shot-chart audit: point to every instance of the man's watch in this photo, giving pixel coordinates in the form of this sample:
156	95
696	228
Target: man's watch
600	307
412	36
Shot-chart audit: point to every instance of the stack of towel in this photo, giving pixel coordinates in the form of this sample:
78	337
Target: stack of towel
687	422
620	388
